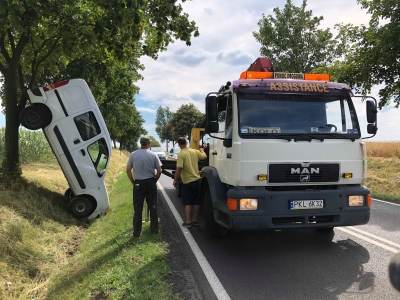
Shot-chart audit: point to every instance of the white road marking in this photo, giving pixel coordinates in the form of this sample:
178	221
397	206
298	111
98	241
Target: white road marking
375	237
212	278
369	240
387	202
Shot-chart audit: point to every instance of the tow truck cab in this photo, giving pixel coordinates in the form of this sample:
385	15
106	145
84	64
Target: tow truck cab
285	152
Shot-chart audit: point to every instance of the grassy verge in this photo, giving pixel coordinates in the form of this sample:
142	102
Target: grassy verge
384	178
110	265
38	236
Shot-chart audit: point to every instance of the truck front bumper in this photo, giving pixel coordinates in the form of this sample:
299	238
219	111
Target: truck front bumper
274	209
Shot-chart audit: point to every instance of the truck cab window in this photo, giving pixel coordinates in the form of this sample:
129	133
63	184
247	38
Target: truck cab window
87	125
229	118
222	103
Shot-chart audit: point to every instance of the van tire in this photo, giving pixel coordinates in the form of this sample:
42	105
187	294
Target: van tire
82	206
68	194
208	223
36	116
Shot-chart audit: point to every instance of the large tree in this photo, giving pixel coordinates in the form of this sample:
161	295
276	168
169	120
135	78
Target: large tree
40	39
291	37
184	119
163	128
372	53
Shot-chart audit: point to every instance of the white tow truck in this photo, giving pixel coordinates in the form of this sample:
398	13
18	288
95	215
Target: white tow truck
75	129
286	151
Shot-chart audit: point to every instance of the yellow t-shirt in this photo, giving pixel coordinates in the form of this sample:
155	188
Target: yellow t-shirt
188	160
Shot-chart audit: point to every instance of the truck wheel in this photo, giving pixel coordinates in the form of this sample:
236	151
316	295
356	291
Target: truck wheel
36	116
325	234
209	225
82	206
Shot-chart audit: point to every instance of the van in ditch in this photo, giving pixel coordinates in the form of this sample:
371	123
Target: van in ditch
75	129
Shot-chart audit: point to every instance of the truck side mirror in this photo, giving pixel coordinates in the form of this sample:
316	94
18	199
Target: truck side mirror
371	111
372	129
211	114
394	271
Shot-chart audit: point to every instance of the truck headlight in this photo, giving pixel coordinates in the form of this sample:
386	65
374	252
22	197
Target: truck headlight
248	204
356	200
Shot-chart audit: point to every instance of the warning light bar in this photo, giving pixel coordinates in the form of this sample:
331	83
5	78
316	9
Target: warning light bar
283	75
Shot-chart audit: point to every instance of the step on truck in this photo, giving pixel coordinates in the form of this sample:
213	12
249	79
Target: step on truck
75	129
285	151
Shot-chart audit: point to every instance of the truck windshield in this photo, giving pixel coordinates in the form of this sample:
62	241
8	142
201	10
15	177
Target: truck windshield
291	116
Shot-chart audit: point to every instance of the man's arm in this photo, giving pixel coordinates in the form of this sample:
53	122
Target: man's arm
201	154
177	175
129	167
158	167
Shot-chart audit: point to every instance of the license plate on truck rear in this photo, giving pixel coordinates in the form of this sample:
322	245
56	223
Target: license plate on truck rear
306	204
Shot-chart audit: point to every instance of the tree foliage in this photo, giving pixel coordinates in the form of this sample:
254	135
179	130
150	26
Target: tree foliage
163	126
184	119
42	41
292	39
372	53
154	142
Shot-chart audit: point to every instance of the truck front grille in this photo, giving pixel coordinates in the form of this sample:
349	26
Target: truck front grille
282	173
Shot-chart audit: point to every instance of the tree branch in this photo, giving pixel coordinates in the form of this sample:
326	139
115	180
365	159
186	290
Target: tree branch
3	49
12	41
20	46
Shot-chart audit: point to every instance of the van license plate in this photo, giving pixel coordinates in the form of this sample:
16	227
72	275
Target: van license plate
306	204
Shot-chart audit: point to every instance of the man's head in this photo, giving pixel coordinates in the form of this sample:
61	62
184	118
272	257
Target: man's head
145	142
182	142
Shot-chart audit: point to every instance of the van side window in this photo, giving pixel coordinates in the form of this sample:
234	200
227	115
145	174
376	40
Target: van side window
87	125
98	153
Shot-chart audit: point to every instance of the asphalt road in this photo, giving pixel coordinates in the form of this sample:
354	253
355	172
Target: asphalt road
293	265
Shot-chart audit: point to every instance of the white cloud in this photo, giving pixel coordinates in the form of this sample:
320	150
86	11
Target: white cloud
146	109
226	47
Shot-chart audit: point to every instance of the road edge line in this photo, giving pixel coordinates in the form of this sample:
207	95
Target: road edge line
388	202
367	239
205	266
374	236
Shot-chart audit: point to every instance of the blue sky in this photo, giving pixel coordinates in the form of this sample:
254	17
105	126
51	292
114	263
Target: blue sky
226	47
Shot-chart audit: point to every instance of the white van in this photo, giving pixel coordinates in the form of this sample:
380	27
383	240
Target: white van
75	129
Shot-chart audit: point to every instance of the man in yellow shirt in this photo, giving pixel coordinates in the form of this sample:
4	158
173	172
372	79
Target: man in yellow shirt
187	168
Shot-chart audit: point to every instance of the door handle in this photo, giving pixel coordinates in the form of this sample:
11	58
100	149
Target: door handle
214	153
76	141
83	152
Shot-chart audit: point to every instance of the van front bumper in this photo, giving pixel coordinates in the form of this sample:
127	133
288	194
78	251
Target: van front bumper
274	209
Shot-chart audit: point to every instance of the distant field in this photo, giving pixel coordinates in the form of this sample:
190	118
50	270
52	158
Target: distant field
384	170
383	149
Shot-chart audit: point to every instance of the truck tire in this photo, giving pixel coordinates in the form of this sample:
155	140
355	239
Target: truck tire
35	116
82	206
208	223
325	234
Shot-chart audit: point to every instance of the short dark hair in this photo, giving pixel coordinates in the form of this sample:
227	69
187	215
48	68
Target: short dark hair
144	141
182	141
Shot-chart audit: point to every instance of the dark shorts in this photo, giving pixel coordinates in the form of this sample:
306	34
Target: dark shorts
191	193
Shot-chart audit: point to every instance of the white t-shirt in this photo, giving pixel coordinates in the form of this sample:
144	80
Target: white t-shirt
143	162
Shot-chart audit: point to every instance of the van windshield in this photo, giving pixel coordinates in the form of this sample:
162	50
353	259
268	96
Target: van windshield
290	116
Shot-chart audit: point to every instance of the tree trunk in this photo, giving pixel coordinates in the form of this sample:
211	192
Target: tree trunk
166	143
11	167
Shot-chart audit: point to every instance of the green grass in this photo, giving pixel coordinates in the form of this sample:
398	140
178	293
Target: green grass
109	264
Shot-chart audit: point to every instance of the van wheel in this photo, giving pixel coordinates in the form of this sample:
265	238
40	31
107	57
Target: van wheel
82	206
36	116
208	223
68	194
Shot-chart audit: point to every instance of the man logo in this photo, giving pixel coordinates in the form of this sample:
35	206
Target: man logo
304	178
303	171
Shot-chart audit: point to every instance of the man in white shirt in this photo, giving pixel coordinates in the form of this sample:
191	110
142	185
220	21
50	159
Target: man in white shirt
146	168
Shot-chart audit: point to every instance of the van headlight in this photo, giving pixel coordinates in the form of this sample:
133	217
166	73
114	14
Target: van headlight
356	200
248	204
